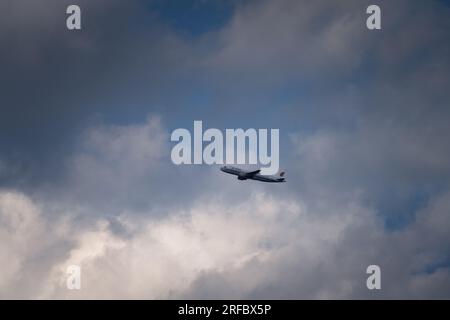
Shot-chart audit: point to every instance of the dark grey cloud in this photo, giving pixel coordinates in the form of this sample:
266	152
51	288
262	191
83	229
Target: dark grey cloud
55	81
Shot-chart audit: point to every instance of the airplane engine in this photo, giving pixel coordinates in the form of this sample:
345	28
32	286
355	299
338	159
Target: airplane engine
242	178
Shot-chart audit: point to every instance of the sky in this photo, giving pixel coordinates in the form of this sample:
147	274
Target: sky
86	176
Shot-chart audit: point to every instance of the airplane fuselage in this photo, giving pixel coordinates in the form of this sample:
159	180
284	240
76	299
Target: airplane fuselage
252	175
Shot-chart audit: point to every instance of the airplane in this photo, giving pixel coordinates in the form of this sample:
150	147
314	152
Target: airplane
253	175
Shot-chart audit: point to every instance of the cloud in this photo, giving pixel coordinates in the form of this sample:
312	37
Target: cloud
116	168
304	37
59	80
264	247
3	168
229	241
29	243
112	161
366	111
390	151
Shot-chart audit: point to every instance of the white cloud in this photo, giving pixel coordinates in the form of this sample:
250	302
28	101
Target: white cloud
265	246
26	242
113	164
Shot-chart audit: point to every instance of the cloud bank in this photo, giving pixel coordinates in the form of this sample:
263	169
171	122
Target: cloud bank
263	245
262	248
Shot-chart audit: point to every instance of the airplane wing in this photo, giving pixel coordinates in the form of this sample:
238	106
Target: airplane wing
252	173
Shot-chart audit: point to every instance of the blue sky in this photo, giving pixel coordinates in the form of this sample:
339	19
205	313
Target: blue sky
193	17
